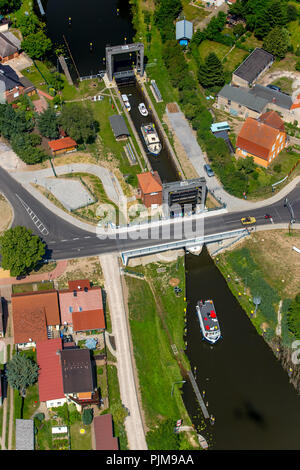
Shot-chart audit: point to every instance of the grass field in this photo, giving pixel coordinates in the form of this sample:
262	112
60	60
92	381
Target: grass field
263	265
157	367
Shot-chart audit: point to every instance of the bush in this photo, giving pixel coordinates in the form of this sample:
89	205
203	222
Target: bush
87	416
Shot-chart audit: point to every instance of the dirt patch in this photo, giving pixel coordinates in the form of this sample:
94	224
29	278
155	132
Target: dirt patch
174	281
264	326
6	214
82	268
172	108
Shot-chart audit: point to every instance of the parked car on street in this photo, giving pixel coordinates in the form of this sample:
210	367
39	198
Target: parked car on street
274	87
208	170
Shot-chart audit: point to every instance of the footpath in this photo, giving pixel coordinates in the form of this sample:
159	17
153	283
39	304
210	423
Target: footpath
60	268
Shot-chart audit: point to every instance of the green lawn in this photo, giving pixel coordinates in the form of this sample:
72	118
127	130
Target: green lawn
30	287
206	47
294	29
80	441
285	83
193	13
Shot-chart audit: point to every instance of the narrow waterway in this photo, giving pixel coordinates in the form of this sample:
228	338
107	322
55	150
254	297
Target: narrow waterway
246	388
161	163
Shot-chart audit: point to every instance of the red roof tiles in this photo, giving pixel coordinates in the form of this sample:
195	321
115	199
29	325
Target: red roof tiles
256	138
103	429
149	182
61	144
50	374
271	118
32	312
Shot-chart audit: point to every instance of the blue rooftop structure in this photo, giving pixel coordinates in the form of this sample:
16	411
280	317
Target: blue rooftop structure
184	32
220	126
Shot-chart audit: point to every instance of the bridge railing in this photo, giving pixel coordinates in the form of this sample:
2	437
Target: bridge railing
188	243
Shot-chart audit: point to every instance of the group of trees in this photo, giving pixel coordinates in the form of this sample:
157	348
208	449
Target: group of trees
293	317
268	21
17	124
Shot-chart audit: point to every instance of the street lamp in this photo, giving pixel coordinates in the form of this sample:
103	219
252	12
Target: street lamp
179	382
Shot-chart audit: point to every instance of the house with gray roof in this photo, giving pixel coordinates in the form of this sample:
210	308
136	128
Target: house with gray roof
239	102
276	99
9	46
24	434
184	32
12	85
119	127
252	67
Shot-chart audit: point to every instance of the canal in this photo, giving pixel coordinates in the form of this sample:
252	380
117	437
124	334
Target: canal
162	163
247	390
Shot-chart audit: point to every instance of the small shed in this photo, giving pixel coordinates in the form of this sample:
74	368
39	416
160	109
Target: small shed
184	32
62	145
119	127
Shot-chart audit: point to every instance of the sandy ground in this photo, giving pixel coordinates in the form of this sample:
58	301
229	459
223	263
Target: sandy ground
82	268
5	214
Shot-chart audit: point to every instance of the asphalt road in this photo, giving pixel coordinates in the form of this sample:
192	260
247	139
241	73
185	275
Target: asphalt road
65	240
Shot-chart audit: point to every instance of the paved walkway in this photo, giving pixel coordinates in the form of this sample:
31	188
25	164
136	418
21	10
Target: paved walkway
128	390
57	271
194	152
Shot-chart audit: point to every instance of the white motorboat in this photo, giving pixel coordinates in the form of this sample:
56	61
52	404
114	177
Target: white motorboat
126	102
151	138
142	109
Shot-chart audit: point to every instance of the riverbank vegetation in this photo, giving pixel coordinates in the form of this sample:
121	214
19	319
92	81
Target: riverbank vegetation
180	72
266	267
157	331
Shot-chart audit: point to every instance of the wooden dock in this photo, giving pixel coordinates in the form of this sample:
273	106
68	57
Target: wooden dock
198	395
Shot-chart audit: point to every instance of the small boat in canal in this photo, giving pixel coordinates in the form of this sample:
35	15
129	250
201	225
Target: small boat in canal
202	441
126	102
142	109
151	138
208	321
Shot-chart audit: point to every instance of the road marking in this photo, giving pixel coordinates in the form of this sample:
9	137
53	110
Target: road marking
40	226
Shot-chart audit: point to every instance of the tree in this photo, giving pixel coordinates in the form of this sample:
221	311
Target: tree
211	72
21	372
292	13
25	146
9	5
37	44
13	122
21	251
87	416
47	124
277	42
79	123
29	24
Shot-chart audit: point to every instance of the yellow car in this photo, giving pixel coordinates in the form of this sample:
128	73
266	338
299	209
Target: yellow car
248	220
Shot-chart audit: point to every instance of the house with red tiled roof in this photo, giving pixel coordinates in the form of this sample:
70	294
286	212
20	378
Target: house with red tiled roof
272	118
103	436
81	306
64	145
35	317
50	380
260	140
150	188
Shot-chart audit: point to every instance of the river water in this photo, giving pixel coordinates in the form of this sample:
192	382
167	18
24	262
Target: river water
247	390
92	21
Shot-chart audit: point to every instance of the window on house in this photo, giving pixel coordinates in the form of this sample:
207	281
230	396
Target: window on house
228	101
